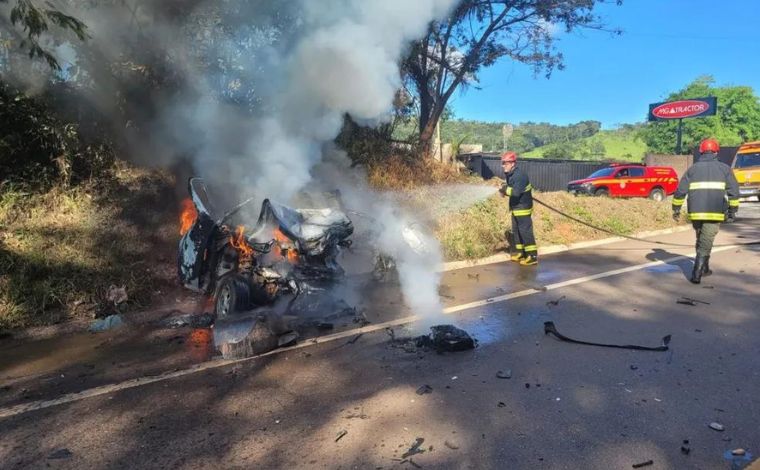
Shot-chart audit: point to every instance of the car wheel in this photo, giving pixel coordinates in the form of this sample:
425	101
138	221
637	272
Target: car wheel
657	194
602	192
232	295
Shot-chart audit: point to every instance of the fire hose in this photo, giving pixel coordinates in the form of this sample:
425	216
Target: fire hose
629	237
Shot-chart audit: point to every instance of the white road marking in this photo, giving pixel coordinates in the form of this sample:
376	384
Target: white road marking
138	382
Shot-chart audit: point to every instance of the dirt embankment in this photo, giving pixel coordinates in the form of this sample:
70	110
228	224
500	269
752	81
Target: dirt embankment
62	250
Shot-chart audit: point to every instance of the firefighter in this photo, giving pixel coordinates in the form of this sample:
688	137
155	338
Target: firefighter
713	198
517	187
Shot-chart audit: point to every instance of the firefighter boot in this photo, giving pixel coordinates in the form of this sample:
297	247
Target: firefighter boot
516	257
706	271
529	260
696	274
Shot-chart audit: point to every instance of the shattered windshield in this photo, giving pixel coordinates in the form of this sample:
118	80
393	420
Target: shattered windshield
745	160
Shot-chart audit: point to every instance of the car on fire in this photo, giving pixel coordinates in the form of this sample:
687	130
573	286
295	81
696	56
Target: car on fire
746	167
286	251
628	180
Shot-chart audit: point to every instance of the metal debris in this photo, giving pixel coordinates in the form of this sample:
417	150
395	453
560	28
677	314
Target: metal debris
340	435
738	452
288	339
355	339
414	449
507	374
193	320
715	426
549	328
446	338
424	389
554	303
643	464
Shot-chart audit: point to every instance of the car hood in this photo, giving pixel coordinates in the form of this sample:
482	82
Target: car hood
581	181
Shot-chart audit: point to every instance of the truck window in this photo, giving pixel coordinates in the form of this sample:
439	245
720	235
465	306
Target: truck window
635	172
744	160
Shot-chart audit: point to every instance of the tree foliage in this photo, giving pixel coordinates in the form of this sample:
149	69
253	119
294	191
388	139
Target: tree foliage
737	119
477	34
34	21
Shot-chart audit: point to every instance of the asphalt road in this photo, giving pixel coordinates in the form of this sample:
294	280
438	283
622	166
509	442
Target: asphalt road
352	402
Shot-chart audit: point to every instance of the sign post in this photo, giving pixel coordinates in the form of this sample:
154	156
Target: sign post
667	111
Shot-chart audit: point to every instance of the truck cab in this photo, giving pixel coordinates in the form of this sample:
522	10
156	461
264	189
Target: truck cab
746	167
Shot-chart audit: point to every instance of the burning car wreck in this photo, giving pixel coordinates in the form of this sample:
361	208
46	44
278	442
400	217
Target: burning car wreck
287	251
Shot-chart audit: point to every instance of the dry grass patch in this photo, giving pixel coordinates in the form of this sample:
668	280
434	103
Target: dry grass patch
404	173
61	250
479	230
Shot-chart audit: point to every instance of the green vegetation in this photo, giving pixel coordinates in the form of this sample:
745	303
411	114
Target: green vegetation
619	144
737	120
478	231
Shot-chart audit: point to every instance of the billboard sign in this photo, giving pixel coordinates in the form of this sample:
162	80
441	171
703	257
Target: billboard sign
696	107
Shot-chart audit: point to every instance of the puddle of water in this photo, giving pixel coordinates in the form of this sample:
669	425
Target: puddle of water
486	329
737	461
663	268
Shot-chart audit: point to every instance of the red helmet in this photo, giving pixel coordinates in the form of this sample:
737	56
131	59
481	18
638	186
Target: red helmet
508	157
709	146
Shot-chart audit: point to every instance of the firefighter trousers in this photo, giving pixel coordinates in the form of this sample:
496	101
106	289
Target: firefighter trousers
706	232
523	240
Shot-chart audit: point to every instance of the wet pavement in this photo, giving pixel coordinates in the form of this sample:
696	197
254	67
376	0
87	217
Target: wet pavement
609	409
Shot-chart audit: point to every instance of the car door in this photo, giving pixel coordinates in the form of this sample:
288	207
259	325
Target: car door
193	246
620	186
636	185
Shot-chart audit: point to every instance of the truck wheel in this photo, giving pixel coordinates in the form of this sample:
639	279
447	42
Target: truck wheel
232	295
602	192
657	194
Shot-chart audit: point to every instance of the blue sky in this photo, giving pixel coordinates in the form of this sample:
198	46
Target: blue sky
665	45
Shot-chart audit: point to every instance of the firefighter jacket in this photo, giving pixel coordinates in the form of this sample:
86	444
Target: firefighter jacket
520	193
711	188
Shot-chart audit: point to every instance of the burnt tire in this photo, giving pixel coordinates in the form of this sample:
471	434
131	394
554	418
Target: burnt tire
602	192
657	194
233	294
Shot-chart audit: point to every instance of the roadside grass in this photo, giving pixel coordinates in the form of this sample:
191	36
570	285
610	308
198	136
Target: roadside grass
405	173
62	249
479	230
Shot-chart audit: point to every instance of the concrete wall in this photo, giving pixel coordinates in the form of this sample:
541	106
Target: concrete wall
680	163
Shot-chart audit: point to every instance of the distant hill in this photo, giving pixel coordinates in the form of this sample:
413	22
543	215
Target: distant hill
618	144
582	140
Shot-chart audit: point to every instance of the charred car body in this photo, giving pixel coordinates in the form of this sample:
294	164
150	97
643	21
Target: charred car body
287	251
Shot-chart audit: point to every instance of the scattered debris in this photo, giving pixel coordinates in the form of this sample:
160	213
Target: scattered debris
474	276
738	452
288	339
414	449
549	328
108	323
527	385
60	454
501	404
715	426
446	338
739	458
424	389
685	450
117	295
450	445
415	464
633	367
643	464
340	435
690	301
355	339
507	374
193	320
686	302
554	303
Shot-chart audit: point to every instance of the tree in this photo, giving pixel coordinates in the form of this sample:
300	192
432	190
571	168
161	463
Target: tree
737	119
35	21
477	34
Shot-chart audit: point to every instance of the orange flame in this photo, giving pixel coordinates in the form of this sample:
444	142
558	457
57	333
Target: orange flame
187	215
237	240
286	252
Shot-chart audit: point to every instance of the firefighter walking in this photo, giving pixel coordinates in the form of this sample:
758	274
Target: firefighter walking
517	187
713	195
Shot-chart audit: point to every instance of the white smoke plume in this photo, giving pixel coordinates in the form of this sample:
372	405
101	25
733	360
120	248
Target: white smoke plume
297	67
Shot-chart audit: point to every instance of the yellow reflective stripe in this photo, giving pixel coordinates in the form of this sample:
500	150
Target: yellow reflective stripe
528	188
531	248
708	185
678	202
509	190
733	203
521	212
715	216
519	247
